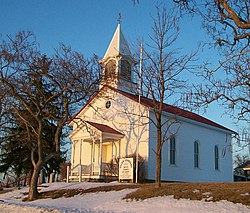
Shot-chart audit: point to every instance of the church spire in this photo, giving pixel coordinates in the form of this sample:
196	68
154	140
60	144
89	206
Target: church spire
118	63
118	45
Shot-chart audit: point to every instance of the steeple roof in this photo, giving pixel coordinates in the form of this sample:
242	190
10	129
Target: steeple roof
118	45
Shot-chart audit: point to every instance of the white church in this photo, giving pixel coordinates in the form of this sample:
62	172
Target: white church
116	124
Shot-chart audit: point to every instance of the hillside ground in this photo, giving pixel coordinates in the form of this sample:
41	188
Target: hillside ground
236	192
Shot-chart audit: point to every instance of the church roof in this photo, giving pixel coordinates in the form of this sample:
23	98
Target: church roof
166	107
173	110
118	45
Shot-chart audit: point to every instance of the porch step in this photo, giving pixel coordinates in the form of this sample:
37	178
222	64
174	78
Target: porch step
94	178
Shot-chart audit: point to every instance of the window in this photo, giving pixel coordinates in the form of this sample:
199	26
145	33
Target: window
110	70
196	154
216	158
172	150
125	70
108	104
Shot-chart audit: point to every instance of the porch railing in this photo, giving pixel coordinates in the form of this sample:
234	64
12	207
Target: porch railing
109	169
95	169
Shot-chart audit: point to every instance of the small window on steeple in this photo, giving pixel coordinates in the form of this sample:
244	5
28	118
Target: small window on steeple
125	70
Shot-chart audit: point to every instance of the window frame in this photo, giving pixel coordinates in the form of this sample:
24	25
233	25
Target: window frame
126	70
216	157
110	69
172	150
196	154
108	104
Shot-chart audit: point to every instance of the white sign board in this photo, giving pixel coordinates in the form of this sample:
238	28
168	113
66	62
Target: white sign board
126	169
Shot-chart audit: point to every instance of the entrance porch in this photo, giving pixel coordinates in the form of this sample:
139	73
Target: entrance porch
96	156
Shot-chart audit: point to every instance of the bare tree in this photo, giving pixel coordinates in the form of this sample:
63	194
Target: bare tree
228	82
228	22
163	66
47	88
239	161
231	88
3	104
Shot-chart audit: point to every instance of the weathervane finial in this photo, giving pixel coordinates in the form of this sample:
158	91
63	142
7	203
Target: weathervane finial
119	19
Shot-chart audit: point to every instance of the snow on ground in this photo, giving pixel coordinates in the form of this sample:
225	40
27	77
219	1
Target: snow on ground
108	202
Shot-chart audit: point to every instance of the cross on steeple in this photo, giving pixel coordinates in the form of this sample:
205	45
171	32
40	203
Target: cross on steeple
119	19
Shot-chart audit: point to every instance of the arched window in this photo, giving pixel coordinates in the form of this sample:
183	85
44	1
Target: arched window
216	158
172	150
196	154
126	70
110	70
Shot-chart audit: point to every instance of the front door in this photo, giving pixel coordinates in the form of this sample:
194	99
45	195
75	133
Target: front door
107	153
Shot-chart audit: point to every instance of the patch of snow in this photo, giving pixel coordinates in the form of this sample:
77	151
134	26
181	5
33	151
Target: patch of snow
207	193
108	202
196	191
209	199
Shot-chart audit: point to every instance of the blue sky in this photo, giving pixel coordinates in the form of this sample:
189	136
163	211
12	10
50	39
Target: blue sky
88	26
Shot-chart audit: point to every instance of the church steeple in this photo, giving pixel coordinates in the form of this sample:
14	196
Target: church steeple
118	63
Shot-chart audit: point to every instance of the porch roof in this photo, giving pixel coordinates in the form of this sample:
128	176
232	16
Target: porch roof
104	128
244	166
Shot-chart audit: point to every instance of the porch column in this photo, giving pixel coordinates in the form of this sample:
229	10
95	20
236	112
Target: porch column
112	154
80	161
68	171
119	150
100	155
73	153
92	156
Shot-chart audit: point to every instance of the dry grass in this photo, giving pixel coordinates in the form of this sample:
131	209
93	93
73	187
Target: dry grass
235	192
54	194
5	191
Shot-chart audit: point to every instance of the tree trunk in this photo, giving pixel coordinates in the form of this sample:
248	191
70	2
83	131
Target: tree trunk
48	176
25	180
158	158
158	170
18	179
29	177
33	193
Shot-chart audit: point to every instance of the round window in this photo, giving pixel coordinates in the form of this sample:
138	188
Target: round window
108	104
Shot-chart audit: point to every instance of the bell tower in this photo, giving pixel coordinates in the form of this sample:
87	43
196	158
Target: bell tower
118	64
